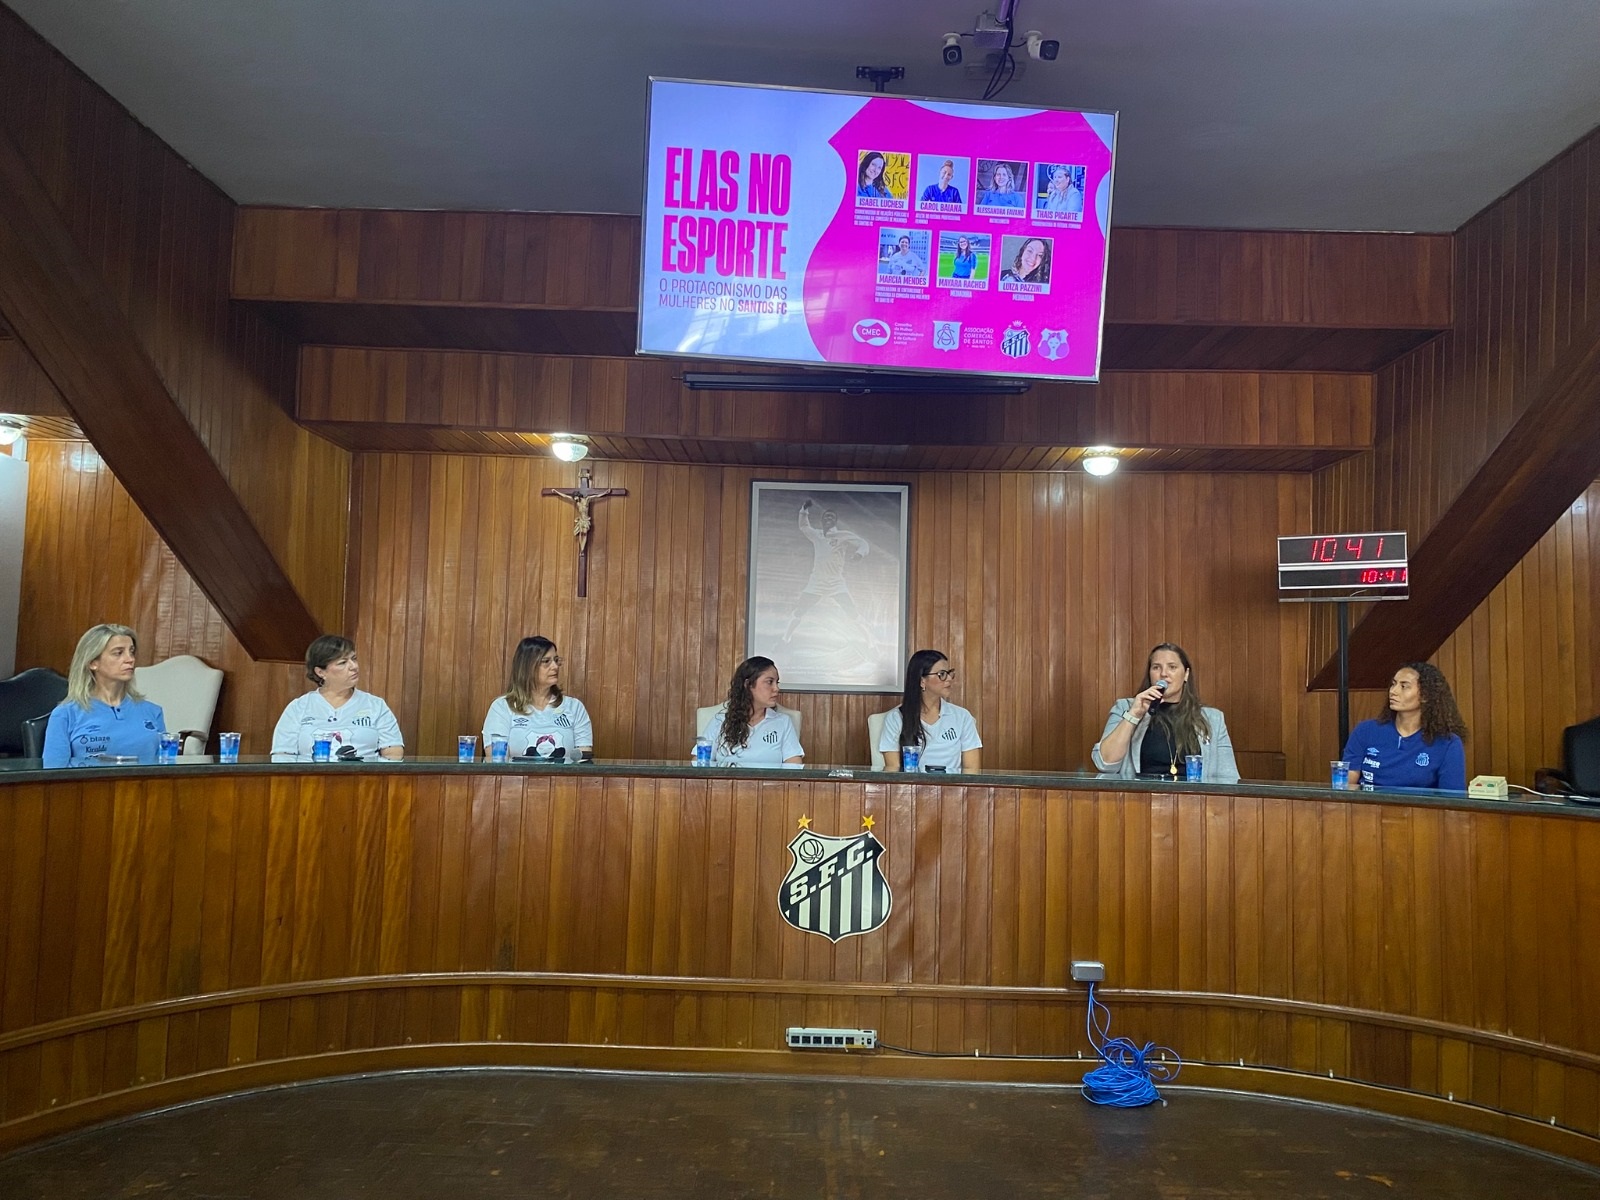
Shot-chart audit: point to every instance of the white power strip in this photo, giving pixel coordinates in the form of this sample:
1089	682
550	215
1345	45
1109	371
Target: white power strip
806	1038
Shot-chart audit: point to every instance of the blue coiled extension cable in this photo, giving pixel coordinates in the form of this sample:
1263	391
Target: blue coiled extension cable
1128	1078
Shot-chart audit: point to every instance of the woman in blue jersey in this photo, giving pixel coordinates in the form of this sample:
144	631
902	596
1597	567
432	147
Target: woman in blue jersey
1002	190
965	260
943	192
103	718
1416	742
869	176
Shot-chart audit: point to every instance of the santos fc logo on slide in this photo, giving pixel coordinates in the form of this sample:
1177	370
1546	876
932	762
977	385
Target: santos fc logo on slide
835	886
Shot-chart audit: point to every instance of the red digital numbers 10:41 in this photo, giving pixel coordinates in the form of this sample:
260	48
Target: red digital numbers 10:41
1336	549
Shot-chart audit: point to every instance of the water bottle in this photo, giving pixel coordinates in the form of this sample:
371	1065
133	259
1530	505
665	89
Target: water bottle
702	752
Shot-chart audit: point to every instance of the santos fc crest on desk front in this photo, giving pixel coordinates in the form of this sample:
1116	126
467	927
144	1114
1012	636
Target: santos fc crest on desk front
835	886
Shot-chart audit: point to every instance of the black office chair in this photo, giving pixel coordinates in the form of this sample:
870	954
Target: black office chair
33	736
22	697
1579	775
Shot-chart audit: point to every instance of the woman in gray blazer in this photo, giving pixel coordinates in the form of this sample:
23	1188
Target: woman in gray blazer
1149	733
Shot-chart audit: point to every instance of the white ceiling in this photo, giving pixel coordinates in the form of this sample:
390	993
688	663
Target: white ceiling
1344	114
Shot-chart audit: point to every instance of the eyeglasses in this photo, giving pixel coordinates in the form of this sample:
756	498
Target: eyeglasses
947	674
553	661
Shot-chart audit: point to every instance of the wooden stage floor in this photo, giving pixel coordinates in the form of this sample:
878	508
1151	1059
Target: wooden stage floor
530	1133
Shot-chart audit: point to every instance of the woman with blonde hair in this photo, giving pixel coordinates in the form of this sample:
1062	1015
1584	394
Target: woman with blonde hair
103	718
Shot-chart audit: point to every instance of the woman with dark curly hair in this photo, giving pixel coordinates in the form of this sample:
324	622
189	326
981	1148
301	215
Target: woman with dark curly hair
749	731
1416	742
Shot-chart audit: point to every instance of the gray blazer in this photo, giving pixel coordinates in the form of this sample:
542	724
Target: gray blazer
1216	752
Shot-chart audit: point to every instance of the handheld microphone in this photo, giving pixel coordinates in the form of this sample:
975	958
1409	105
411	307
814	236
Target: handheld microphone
1161	686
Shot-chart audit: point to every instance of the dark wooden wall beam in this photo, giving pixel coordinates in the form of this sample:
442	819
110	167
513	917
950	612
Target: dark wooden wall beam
567	284
61	309
1545	462
458	391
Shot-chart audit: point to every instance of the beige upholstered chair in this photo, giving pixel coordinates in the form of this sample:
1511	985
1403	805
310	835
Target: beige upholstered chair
702	717
874	736
187	690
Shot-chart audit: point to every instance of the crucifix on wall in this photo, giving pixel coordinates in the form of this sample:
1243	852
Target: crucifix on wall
582	499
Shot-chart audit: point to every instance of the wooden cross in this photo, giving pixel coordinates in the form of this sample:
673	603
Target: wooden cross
582	499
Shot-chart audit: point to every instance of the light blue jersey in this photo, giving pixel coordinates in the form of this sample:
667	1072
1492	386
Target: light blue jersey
77	736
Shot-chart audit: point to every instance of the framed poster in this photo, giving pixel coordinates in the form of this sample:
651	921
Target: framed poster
828	584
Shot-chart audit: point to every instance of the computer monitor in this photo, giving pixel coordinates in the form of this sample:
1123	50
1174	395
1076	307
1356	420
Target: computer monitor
1580	757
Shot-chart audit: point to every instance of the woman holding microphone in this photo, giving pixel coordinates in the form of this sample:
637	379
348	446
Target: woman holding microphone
1151	733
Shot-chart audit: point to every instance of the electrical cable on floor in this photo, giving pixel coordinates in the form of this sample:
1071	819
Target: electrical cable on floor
1128	1078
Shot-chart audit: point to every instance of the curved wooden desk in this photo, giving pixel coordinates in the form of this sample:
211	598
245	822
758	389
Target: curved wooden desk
168	933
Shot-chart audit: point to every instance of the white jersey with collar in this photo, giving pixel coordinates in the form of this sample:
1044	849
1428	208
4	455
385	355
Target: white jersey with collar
363	721
954	732
542	730
772	742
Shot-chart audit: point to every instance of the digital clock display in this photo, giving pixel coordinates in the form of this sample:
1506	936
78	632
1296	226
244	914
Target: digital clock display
1342	577
1336	549
1344	566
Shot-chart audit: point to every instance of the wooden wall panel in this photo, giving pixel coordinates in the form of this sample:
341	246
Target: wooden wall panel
161	237
89	556
1264	277
1046	589
1158	276
1526	281
1526	664
641	398
159	927
552	260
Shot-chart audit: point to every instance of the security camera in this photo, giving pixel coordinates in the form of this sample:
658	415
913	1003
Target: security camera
1040	48
952	49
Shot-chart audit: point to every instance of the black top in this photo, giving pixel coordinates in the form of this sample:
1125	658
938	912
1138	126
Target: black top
1159	751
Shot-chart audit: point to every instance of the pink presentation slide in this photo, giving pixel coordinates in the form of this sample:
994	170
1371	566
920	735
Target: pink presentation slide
819	228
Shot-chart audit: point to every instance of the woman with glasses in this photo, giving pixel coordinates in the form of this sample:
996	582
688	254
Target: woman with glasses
534	716
1149	735
944	733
